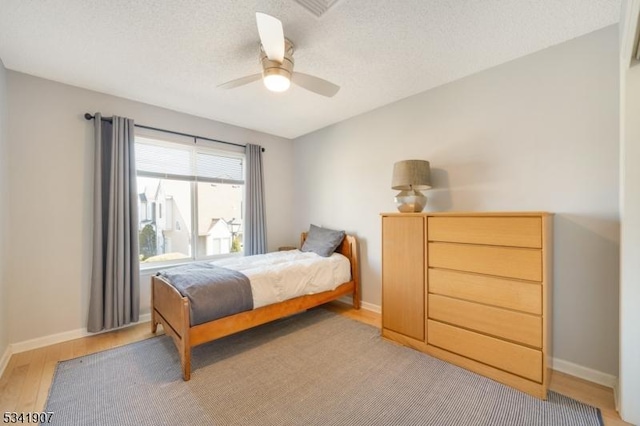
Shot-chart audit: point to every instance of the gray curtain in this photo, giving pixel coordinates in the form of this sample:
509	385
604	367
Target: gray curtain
115	280
255	229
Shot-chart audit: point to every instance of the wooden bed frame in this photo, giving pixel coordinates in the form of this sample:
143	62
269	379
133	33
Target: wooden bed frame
171	309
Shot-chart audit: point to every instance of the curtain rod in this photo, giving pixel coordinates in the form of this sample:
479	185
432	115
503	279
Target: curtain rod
88	116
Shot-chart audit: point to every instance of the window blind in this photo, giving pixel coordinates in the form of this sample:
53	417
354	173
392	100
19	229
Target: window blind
179	162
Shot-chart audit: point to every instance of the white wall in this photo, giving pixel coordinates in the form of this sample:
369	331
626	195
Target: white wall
4	326
630	250
538	133
629	387
51	149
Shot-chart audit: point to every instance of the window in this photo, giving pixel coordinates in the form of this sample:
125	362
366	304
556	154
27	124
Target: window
190	201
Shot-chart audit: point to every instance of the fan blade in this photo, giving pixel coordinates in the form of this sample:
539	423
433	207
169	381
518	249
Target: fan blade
315	84
240	81
271	36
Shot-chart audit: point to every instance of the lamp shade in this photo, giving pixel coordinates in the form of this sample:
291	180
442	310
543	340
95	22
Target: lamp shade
411	174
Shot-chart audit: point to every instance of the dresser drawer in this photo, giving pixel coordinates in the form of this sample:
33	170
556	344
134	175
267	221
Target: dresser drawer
507	262
500	292
498	231
510	357
498	322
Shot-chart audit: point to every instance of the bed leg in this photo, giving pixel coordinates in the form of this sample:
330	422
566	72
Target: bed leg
154	323
186	364
356	301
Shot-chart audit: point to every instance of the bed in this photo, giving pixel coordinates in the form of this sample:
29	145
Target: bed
173	311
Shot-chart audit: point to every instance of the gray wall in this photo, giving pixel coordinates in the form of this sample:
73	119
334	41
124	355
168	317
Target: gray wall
538	133
51	146
4	326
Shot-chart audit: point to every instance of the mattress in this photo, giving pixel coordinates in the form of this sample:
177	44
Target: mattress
283	275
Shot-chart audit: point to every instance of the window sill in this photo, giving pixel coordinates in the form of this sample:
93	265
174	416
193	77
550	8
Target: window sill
154	268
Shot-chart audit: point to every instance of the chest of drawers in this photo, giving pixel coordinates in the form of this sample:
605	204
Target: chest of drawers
472	289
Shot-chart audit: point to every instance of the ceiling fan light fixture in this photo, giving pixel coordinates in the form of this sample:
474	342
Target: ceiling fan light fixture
276	79
277	63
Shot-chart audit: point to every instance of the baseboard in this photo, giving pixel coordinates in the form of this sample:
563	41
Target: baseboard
616	395
4	360
585	373
371	307
52	339
363	305
560	365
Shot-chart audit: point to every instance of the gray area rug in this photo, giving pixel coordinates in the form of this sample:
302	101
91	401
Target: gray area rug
315	368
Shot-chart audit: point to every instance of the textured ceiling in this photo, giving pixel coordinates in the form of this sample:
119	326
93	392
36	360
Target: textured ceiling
174	53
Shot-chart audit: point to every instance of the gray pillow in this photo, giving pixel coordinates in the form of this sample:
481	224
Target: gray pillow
322	241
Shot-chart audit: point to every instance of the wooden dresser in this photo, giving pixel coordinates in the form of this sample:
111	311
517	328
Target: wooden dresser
473	289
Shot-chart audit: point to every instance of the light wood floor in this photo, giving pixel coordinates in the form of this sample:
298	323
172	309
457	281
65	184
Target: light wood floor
24	386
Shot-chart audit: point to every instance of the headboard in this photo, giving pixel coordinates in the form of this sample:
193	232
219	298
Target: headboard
348	248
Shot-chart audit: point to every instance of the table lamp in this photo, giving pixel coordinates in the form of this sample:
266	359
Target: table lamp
411	176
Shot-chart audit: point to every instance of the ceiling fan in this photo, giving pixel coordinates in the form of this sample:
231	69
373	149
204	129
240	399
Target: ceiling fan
276	58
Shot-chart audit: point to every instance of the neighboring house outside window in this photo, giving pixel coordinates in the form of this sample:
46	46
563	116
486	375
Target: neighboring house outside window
190	201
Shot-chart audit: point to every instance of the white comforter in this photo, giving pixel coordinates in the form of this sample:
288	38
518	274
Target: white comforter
284	275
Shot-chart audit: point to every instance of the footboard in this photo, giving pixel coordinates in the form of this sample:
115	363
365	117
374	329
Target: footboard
170	309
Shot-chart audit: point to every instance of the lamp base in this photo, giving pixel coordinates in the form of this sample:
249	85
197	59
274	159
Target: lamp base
410	201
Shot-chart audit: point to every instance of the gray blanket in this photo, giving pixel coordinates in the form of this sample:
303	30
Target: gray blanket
214	292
